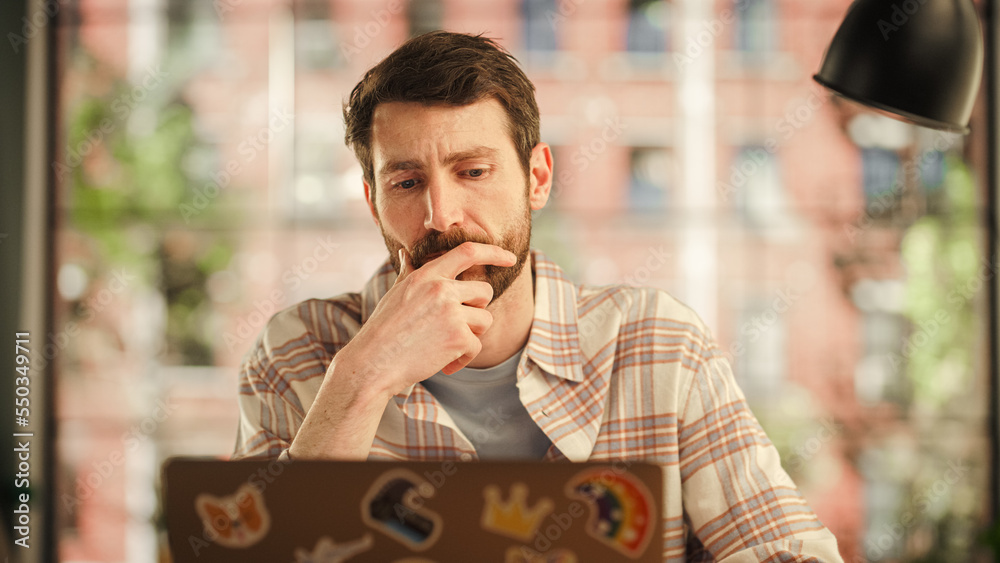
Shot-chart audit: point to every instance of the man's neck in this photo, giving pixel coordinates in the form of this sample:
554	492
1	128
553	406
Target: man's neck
512	314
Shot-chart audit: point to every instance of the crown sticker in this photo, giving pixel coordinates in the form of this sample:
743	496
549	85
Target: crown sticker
513	518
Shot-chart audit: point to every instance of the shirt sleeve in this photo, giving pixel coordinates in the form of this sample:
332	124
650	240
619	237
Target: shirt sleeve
266	425
740	502
283	371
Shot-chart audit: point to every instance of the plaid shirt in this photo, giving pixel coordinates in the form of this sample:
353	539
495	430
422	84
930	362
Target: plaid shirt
609	373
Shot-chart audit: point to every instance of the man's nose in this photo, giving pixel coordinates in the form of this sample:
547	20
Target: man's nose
443	205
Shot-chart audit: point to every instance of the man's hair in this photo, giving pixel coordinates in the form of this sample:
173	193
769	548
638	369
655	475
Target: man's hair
443	68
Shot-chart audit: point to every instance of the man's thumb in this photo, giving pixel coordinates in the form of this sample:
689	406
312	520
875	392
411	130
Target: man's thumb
405	267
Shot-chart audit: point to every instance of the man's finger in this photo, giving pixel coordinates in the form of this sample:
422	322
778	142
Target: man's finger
457	365
475	293
479	320
469	254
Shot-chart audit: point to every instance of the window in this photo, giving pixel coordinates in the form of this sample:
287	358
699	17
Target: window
647	26
879	376
318	140
880	169
756	26
650	178
756	181
192	34
315	44
764	360
540	22
424	16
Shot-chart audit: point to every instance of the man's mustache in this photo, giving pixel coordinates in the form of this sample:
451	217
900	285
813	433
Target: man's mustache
438	242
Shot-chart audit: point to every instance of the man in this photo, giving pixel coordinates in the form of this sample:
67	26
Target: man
469	345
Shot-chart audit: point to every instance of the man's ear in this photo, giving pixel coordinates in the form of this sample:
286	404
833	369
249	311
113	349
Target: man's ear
371	204
540	176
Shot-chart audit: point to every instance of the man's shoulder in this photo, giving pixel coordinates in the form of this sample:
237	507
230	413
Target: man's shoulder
325	321
635	314
637	303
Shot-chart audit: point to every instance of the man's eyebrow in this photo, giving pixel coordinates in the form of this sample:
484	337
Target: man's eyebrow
474	152
469	154
398	165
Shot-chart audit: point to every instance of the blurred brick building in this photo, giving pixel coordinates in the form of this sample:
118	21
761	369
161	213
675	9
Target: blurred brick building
693	152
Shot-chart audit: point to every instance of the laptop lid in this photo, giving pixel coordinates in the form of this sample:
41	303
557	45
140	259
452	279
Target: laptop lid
413	512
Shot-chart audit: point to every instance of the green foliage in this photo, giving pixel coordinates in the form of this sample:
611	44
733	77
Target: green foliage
941	253
944	277
126	173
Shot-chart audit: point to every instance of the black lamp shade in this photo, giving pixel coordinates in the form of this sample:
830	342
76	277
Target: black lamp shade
920	60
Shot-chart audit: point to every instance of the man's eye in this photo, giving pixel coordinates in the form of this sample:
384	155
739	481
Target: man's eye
476	172
406	184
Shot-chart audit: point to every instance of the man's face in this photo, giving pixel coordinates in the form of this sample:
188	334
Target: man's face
445	175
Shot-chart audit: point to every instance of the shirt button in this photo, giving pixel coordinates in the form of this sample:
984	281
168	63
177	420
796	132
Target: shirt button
465	457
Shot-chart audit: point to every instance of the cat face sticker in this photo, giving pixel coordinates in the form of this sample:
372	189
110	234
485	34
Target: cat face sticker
238	520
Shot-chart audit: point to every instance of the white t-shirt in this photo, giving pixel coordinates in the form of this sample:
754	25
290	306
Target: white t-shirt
485	405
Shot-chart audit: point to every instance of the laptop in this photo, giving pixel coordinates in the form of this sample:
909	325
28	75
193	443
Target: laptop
412	512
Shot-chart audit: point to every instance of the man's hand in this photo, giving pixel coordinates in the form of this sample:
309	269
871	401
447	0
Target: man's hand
430	319
427	322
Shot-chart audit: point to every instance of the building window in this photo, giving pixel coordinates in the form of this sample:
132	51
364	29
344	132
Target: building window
880	375
192	36
540	20
932	169
650	178
880	170
424	16
315	43
314	194
763	333
564	179
756	26
647	26
756	181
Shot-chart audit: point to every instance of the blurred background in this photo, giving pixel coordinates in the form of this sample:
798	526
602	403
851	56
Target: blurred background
202	184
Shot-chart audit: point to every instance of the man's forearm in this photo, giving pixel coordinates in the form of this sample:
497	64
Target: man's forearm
342	421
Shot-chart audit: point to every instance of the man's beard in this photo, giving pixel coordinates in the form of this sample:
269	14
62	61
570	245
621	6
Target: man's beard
516	239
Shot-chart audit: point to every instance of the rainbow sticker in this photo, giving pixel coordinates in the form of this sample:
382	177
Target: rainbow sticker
622	511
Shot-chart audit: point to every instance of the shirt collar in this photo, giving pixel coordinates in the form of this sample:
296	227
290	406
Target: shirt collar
554	346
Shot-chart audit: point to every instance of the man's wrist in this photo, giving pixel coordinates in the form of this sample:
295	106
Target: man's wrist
354	371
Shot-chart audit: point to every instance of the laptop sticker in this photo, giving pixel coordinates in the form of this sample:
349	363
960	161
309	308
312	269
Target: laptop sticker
622	511
525	554
394	505
327	551
513	518
239	520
